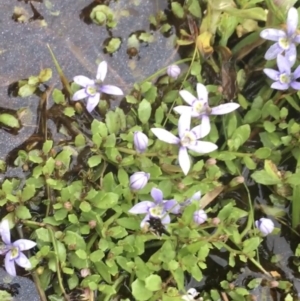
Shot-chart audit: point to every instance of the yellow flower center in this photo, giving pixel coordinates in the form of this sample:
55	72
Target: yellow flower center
156	211
284	43
91	90
188	138
284	78
198	107
14	253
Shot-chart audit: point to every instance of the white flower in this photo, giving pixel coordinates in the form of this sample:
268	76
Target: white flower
188	139
265	226
93	88
199	107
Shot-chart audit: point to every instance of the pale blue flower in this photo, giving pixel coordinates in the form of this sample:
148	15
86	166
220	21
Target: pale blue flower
173	71
199	107
283	78
200	217
140	141
13	251
187	140
139	180
285	39
264	225
93	88
160	208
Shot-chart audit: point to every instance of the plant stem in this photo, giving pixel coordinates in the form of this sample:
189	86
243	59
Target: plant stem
164	69
60	281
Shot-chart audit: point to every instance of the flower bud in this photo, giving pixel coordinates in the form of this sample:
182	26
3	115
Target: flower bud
173	71
265	226
139	180
140	141
215	221
237	181
200	217
85	272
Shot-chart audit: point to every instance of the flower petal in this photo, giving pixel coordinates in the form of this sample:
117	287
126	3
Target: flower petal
92	102
157	195
297	72
143	222
184	124
172	206
279	86
203	147
165	136
196	196
292	21
188	97
272	34
5	231
184	160
83	81
295	85
224	108
80	94
291	54
183	110
23	261
283	64
273	51
10	265
141	207
101	71
203	129
166	219
297	39
273	74
202	93
24	244
112	90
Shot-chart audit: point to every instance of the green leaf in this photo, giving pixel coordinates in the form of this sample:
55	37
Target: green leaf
251	244
9	120
153	283
262	153
26	90
69	111
112	122
113	45
81	254
22	212
58	97
262	177
194	8
139	291
177	10
94	161
239	137
144	111
28	192
45	75
47	146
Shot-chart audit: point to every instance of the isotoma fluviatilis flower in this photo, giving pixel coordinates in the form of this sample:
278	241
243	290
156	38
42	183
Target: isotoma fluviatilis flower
191	295
139	180
285	39
264	225
140	141
173	71
93	87
160	208
13	251
188	139
200	217
283	78
199	107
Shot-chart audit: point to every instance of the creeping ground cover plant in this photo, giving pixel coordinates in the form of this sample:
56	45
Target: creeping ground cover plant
182	186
